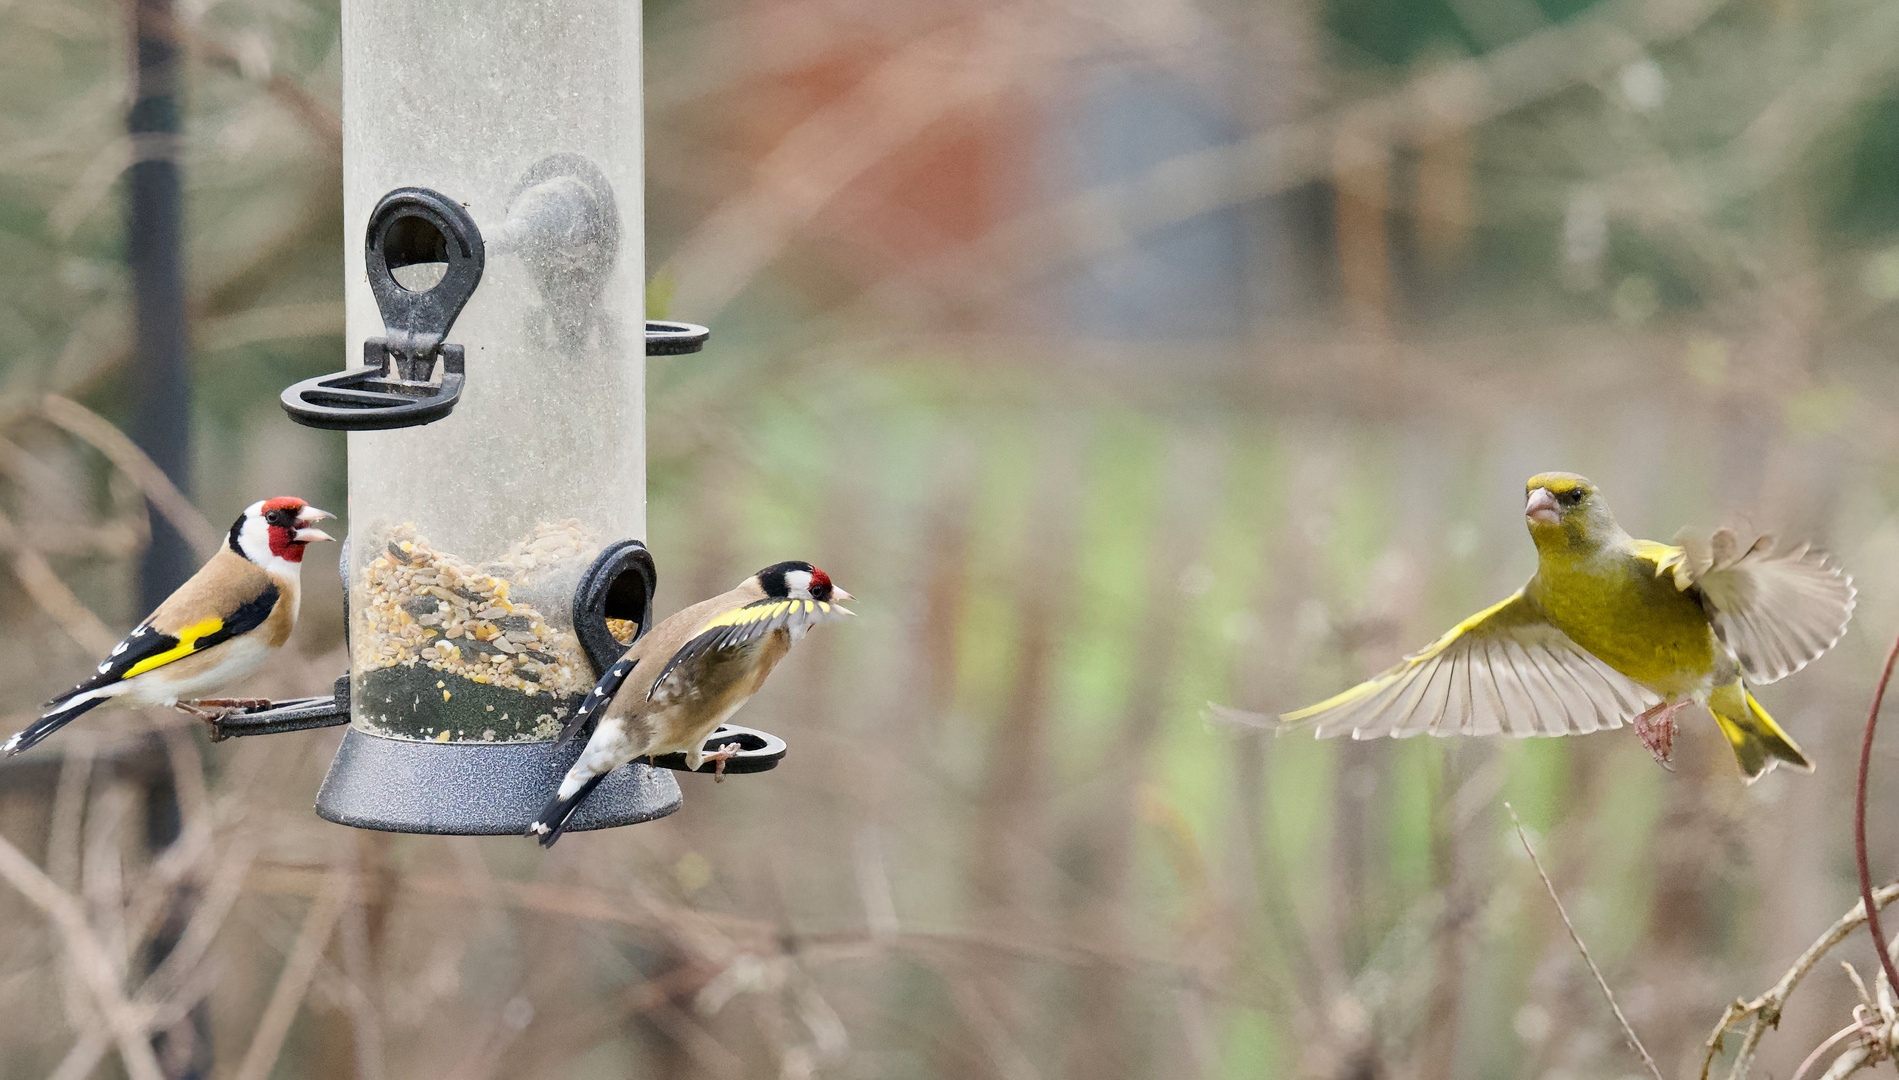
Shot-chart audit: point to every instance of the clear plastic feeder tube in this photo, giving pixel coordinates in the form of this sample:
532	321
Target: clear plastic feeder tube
468	535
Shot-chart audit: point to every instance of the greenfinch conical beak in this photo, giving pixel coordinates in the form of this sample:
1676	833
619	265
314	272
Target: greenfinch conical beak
1542	507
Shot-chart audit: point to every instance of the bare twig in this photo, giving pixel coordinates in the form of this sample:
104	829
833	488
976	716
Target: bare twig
1851	1062
720	937
317	118
94	964
1765	1009
51	594
83	1057
1628	1032
294	983
1819	1051
1859	821
89	427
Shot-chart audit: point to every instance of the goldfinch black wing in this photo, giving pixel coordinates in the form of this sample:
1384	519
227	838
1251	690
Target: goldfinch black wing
1776	610
608	685
746	624
1503	670
148	648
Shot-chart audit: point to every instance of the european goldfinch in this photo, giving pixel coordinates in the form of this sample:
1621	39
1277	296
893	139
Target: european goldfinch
688	676
1611	628
218	627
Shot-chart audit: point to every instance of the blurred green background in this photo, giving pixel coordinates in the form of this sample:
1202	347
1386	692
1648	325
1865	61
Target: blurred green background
1122	358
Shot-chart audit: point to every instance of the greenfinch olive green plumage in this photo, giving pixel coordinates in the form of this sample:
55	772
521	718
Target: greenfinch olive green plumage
1613	630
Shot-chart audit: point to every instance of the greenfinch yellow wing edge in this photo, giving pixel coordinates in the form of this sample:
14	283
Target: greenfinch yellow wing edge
1504	670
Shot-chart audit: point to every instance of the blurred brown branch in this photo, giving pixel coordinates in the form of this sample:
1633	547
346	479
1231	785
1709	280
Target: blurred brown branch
84	424
319	119
294	982
51	594
721	937
130	1025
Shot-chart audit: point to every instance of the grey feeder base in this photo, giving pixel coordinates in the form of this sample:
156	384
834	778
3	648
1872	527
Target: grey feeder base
478	789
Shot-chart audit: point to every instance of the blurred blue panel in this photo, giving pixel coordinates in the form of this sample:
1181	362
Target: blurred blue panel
1183	280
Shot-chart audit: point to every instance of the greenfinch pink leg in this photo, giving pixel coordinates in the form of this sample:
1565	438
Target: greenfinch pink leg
1656	729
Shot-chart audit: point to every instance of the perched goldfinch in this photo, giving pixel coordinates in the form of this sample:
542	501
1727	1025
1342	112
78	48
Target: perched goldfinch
1611	628
218	627
688	676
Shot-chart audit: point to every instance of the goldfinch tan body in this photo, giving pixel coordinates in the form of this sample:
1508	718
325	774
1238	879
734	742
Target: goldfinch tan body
680	681
217	628
1610	630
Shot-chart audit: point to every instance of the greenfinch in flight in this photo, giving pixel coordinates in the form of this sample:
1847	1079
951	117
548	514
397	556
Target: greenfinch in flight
1612	629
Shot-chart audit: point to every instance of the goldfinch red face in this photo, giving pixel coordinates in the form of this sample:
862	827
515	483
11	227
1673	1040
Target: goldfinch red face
799	581
276	530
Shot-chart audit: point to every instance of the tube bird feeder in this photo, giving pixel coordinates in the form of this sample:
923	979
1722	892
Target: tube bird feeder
492	163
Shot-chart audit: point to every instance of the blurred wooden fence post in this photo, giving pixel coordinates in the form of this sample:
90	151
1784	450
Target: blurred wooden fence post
1361	183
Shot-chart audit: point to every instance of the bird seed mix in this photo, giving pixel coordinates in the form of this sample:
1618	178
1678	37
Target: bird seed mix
430	628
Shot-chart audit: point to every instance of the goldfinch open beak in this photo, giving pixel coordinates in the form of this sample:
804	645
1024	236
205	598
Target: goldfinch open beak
1542	507
305	518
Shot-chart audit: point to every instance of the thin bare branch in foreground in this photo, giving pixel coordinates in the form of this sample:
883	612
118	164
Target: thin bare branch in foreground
1765	1009
1628	1032
1820	1050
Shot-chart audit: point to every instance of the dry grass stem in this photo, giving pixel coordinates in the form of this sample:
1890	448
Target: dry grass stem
1628	1032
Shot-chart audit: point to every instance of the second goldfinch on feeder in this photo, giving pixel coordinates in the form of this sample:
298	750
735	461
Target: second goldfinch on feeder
218	627
687	676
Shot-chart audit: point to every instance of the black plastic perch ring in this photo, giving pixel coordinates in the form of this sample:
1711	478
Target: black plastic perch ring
619	585
758	751
394	388
674	338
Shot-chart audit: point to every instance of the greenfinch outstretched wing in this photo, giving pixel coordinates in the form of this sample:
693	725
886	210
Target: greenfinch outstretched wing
1777	611
1504	669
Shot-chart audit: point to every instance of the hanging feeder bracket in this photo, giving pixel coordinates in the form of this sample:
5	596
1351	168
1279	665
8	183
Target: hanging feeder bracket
396	386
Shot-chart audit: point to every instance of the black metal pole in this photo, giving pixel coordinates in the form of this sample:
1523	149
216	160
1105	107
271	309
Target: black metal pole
154	244
161	424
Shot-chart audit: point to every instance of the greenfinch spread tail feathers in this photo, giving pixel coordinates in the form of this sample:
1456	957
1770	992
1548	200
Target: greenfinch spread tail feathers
1613	630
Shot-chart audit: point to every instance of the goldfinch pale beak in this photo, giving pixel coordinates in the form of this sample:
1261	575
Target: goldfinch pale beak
307	516
1542	507
840	594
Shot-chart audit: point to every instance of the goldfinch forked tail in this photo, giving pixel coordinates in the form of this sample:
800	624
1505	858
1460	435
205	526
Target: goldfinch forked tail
60	714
